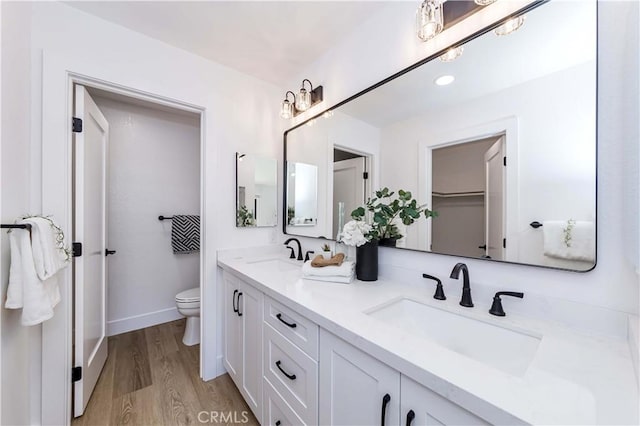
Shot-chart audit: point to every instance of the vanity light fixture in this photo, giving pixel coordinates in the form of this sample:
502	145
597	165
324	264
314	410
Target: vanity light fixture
429	19
484	2
510	26
286	110
302	102
443	80
452	54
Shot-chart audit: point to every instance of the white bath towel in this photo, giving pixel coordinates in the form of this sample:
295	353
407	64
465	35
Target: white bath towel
35	260
334	279
569	239
345	270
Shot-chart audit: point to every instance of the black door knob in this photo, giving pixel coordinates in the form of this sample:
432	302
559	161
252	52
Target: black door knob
107	252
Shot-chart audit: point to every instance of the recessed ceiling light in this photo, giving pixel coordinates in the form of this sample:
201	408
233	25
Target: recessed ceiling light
443	80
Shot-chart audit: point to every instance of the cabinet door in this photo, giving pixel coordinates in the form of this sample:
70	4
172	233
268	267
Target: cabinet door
353	386
232	329
251	302
431	409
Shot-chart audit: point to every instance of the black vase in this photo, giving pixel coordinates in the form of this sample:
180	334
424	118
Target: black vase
367	261
388	242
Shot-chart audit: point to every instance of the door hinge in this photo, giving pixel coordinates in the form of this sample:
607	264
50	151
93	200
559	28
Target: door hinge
365	175
504	161
76	374
76	249
504	243
76	125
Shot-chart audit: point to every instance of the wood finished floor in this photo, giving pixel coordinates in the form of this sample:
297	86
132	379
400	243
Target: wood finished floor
151	378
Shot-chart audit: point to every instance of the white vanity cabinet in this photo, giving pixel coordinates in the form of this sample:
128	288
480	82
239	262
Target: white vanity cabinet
357	389
242	306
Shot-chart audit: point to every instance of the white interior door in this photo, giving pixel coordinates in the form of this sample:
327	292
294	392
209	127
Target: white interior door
348	187
494	200
90	209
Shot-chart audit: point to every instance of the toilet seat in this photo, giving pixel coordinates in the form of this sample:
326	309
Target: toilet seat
191	295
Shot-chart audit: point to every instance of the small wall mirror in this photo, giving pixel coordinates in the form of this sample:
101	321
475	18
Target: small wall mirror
499	141
302	195
256	191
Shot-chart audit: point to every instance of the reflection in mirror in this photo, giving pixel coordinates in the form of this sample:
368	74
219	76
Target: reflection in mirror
302	194
510	141
256	191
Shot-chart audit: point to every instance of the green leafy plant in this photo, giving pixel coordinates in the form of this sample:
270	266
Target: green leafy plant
386	211
244	217
325	247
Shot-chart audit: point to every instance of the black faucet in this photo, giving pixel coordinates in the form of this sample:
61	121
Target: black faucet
299	247
306	256
439	294
496	307
466	288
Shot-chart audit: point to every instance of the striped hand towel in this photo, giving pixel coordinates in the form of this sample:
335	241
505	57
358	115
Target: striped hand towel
185	234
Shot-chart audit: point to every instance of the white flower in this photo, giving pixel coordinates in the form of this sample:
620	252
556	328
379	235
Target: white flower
354	233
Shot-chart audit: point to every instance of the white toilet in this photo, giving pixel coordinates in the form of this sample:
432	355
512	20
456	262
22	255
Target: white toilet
188	303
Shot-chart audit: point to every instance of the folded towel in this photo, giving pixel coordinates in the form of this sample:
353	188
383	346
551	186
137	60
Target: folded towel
345	270
35	260
320	262
185	234
343	280
571	240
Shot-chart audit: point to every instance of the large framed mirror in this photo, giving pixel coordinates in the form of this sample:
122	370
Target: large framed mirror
500	142
256	191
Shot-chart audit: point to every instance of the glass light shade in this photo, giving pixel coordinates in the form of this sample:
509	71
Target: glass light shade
452	54
303	100
484	2
429	20
510	26
286	110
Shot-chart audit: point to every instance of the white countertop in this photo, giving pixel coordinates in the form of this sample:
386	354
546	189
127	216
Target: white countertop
574	378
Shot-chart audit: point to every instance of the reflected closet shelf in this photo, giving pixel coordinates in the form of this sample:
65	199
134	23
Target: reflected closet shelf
458	194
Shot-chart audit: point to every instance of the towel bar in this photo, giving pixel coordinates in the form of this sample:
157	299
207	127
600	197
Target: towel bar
535	224
164	218
15	226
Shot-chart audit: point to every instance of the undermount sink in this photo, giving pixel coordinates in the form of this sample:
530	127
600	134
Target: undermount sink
505	349
276	264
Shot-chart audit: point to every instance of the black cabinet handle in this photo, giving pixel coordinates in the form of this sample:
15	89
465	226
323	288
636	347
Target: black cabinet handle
288	324
107	252
235	308
484	247
239	295
410	416
289	376
385	401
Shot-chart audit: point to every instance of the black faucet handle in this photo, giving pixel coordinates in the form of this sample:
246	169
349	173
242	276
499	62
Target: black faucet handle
496	306
439	294
292	255
306	256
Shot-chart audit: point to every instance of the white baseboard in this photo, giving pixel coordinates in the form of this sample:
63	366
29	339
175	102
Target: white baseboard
142	321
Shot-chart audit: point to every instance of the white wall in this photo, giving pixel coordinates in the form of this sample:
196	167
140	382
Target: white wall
240	114
154	169
356	64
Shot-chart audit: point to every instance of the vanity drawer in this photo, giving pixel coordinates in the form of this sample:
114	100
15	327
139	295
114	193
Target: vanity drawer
276	411
293	326
292	373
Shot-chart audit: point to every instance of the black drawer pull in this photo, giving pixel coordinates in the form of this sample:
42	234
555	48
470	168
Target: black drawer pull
410	416
239	313
288	324
289	376
235	308
385	402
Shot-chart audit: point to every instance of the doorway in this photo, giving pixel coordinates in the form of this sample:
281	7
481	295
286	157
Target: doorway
468	193
150	164
351	185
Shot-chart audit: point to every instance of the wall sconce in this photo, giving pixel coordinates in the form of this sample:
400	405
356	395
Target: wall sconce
510	26
452	54
305	100
429	19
